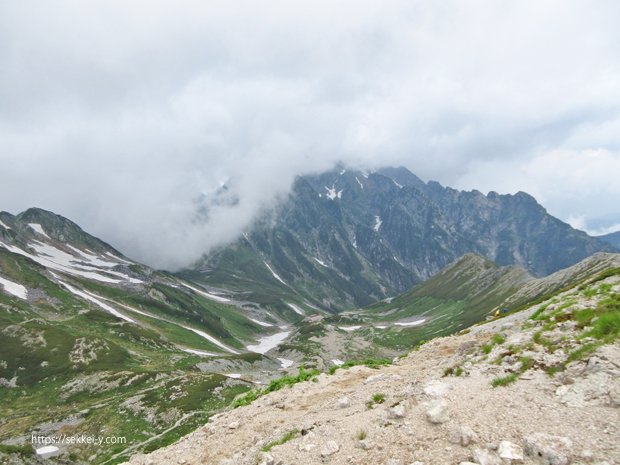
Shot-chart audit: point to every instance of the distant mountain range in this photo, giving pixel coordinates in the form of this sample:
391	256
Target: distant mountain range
612	239
348	238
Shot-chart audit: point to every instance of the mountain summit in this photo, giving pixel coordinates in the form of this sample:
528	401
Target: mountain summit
347	238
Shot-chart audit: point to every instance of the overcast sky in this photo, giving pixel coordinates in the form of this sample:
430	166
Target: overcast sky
126	116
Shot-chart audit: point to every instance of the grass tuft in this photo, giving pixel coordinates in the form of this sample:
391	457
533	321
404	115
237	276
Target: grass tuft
504	380
284	439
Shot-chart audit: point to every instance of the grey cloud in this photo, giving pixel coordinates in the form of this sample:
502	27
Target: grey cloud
128	117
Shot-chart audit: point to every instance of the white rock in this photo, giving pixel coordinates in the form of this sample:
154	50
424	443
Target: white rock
436	388
233	425
47	451
550	450
393	462
485	457
330	448
510	452
437	411
463	435
343	402
267	459
397	412
365	444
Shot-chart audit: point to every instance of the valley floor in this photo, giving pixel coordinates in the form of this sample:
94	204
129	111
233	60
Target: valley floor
556	401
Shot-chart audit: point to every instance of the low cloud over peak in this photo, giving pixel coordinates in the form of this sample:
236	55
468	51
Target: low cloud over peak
128	118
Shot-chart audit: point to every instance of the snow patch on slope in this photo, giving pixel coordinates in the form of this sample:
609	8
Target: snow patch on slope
211	339
332	193
55	259
378	223
119	258
217	298
4	225
285	362
261	323
410	323
359	182
15	289
296	309
265	344
199	352
88	296
275	275
36	227
320	262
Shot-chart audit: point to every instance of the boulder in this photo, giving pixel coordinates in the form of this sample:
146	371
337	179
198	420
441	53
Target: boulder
437	411
462	435
329	448
343	402
510	453
550	450
436	388
486	457
397	412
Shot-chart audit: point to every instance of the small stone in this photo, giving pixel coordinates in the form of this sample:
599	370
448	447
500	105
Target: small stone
393	462
437	411
365	444
330	448
397	412
375	378
510	452
343	402
614	395
267	459
485	457
462	435
466	347
467	463
233	425
550	450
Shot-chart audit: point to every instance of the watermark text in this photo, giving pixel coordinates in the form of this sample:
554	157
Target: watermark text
76	439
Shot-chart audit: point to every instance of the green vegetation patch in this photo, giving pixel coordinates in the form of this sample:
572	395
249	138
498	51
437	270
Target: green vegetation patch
373	363
275	385
284	439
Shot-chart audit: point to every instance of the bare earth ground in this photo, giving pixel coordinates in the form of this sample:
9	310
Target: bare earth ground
572	417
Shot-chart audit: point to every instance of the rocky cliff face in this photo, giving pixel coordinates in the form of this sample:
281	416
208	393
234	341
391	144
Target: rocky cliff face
540	386
348	238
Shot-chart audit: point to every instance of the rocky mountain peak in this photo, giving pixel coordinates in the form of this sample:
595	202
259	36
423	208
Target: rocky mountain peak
381	232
